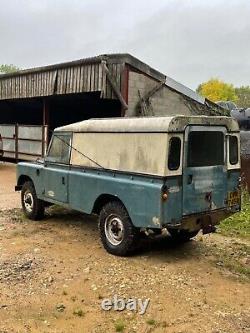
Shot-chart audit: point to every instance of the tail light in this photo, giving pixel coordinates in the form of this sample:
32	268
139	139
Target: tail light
164	192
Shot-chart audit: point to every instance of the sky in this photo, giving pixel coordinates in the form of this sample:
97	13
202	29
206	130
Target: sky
188	40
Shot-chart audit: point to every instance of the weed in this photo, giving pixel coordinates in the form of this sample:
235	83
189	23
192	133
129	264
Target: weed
239	223
119	326
151	322
78	312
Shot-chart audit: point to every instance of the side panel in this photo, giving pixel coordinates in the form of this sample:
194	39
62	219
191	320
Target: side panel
140	195
172	207
56	183
143	153
35	172
233	180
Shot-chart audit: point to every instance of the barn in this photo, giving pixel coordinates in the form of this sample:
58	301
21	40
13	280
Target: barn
35	101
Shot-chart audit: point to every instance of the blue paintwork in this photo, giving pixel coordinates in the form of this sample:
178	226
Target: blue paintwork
204	189
56	180
141	194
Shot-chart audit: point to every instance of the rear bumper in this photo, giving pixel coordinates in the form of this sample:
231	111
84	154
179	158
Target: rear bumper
204	220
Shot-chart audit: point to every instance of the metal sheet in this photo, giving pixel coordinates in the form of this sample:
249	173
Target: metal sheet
184	90
30	132
23	141
7	131
29	147
9	145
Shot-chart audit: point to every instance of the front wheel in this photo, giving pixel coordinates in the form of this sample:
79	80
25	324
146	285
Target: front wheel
33	208
182	235
118	235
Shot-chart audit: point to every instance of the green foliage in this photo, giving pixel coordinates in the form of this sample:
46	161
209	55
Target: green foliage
5	69
238	225
243	94
78	312
119	326
216	90
151	322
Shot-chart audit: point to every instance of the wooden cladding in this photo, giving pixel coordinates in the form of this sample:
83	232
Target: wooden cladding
80	78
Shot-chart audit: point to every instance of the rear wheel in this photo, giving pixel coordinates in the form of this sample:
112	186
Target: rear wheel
118	235
182	235
32	206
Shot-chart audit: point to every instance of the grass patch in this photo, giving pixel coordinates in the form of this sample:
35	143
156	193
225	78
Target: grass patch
119	325
151	322
78	312
238	224
234	263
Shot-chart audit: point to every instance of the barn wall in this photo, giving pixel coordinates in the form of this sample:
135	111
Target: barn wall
165	101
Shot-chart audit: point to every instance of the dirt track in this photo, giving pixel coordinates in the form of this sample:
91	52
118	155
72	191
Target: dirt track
8	198
55	273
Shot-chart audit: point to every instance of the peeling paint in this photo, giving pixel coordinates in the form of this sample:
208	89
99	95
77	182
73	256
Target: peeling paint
156	221
174	189
51	194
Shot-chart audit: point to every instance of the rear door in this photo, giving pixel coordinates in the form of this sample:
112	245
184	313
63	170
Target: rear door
204	170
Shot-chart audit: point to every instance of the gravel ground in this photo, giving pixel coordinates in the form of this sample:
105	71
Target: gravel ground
55	273
8	197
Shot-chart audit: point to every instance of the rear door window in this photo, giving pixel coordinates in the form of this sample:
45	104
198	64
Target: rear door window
233	150
205	148
174	156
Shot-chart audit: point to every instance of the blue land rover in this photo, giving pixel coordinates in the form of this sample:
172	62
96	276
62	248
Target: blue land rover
153	175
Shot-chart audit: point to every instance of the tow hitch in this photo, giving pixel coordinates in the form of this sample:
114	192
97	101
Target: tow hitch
207	229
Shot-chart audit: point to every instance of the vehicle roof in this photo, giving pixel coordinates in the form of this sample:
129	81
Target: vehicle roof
148	124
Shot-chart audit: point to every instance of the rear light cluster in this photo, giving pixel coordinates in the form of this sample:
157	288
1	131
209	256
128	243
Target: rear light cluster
164	192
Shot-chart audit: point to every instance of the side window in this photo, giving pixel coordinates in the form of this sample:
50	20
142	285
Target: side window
174	155
59	151
233	150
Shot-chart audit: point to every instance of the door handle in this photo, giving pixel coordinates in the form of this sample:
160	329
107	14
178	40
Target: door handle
190	179
63	180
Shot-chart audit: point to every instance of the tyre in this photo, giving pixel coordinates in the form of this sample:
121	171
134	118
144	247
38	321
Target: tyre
118	235
182	235
33	208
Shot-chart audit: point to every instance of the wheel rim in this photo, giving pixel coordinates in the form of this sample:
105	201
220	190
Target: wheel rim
28	201
114	230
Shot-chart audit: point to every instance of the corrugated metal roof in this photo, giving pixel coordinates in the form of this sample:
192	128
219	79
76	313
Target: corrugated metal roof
184	90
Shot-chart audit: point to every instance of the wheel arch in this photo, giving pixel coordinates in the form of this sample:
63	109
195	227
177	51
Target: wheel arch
102	200
23	179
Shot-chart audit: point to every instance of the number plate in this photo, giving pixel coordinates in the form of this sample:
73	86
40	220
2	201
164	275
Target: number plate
233	198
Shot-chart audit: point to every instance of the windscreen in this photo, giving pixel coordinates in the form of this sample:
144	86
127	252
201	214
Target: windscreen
205	148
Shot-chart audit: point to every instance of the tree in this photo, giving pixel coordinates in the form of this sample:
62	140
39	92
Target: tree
216	90
4	69
243	94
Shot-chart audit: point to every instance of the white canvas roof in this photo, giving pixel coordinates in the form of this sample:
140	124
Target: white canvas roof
147	124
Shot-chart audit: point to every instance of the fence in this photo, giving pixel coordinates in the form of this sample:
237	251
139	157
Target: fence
24	142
